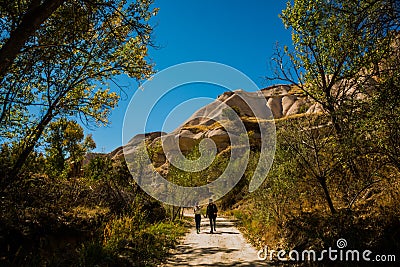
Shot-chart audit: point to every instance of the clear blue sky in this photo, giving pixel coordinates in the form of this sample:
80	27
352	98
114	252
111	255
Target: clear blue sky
238	33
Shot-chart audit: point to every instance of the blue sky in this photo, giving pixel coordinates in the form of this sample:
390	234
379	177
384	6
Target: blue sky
241	34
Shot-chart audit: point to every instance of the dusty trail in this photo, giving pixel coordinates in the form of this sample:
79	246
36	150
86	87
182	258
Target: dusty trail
226	247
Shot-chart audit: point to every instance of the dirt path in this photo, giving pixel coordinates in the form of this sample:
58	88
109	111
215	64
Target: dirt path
226	247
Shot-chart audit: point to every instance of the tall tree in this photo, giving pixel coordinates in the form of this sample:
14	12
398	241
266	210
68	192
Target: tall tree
65	139
337	43
65	64
36	12
341	49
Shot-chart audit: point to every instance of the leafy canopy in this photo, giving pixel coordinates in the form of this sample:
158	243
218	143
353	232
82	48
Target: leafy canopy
65	65
337	43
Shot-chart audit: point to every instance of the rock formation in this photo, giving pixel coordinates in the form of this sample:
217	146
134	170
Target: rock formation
282	100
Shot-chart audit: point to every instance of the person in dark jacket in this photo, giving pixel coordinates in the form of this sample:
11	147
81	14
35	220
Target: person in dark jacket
211	213
197	217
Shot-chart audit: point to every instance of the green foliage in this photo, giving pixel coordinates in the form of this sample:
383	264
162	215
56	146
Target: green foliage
339	47
240	190
154	149
83	222
129	240
35	163
65	139
189	178
65	65
345	57
336	39
100	167
121	173
94	254
281	192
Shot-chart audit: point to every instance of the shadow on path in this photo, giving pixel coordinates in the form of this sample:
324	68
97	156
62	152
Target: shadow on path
225	247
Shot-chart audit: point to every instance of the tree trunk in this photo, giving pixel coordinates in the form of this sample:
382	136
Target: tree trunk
336	124
37	14
28	144
176	214
322	181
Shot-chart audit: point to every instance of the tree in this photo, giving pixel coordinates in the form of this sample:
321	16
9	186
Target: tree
340	55
310	143
68	57
20	31
100	167
65	140
337	46
384	108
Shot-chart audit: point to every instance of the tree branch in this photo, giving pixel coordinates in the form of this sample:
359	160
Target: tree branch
30	22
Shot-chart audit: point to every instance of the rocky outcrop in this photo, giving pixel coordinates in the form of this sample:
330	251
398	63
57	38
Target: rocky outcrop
287	103
149	137
282	101
220	138
275	104
315	108
297	107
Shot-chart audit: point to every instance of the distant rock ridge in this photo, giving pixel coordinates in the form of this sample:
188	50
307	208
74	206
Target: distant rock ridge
283	101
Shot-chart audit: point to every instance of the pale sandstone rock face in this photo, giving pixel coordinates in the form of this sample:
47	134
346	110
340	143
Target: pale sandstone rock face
187	140
283	101
275	104
287	103
151	137
279	99
237	102
315	108
275	90
225	96
220	137
296	107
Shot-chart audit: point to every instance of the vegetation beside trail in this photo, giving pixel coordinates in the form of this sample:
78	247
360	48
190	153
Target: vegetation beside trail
336	173
103	220
61	205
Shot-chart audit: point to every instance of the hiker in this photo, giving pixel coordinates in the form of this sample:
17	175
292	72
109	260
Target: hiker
197	216
212	214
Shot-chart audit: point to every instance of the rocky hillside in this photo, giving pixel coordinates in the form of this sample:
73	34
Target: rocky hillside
282	100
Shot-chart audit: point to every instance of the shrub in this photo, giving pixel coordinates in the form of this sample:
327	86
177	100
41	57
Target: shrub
131	239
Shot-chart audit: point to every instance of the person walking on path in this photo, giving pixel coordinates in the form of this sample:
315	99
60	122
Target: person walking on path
197	217
212	214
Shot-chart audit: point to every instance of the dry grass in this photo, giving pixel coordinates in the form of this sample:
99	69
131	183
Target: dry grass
202	128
